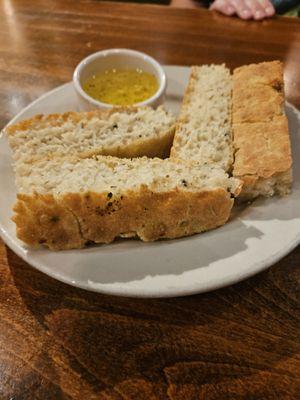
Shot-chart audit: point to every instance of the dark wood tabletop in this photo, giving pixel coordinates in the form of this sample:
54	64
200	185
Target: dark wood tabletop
59	342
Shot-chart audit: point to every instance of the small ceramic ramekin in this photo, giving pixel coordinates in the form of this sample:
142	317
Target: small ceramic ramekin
119	59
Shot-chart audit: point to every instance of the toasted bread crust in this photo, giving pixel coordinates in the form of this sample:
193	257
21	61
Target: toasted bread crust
258	94
267	73
41	220
262	149
76	218
255	104
260	129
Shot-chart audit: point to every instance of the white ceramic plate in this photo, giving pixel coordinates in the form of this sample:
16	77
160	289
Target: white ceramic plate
255	237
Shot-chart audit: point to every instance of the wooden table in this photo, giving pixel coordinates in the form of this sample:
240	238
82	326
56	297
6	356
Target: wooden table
58	342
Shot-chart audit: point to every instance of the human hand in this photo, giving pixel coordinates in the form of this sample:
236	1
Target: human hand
245	9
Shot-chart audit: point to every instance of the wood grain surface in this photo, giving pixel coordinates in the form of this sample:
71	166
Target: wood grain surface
58	342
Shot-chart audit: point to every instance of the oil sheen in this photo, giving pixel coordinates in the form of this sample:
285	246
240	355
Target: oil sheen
121	87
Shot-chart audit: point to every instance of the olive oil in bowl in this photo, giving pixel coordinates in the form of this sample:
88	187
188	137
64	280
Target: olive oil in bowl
121	87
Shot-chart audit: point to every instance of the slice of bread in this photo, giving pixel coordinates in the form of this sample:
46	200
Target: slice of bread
260	131
66	203
121	132
203	130
258	92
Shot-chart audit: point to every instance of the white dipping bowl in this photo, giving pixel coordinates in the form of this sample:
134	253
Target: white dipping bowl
119	59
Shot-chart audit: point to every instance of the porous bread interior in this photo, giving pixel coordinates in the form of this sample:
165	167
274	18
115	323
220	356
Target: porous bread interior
110	174
203	131
120	132
278	184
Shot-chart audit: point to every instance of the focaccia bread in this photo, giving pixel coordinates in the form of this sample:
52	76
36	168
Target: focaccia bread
203	129
66	203
120	132
261	139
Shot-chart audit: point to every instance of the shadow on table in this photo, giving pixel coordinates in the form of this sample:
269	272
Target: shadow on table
199	251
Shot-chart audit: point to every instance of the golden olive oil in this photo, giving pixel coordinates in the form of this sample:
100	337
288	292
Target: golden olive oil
121	87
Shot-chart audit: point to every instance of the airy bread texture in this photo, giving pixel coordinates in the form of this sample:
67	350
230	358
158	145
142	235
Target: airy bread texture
203	130
121	132
260	131
66	203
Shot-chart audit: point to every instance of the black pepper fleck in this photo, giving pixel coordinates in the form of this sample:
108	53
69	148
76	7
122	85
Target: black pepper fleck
184	182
